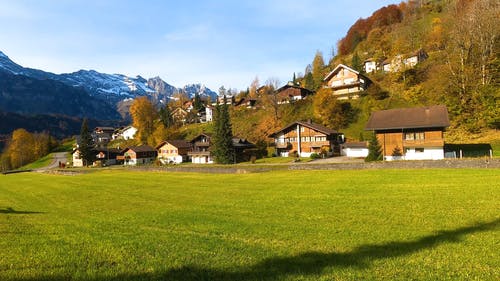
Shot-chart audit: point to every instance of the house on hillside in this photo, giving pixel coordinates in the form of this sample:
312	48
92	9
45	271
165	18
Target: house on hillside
136	155
346	82
417	132
103	135
305	138
209	113
200	151
173	151
413	59
290	93
403	62
126	133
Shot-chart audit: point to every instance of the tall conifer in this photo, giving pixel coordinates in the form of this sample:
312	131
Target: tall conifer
86	144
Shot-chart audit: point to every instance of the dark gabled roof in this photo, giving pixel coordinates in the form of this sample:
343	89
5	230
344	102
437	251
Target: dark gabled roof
435	116
239	142
307	91
176	143
314	126
202	134
142	148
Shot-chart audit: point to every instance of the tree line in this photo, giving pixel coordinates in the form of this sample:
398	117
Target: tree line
24	147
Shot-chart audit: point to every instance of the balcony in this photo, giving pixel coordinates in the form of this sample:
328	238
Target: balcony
318	143
201	144
283	145
199	153
424	143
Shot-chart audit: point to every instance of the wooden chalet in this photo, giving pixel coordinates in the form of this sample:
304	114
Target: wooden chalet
346	82
417	132
136	155
173	151
290	93
200	151
305	138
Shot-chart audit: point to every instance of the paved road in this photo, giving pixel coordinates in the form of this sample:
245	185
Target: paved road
56	158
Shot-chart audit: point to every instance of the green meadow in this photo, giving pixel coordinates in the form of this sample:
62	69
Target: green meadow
441	224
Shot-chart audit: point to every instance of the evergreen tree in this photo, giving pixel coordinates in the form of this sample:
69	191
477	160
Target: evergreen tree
318	70
356	62
198	104
223	150
397	152
374	150
294	80
86	144
166	117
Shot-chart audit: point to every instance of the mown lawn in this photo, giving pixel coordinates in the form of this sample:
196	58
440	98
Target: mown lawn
280	225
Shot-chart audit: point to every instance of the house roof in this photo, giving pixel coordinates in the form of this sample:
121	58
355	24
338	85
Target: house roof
435	116
314	126
202	134
142	148
360	144
337	68
309	92
239	142
176	143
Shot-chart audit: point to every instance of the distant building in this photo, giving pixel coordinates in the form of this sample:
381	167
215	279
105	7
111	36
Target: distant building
346	82
173	151
290	93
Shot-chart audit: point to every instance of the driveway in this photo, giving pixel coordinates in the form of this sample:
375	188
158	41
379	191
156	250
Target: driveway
56	158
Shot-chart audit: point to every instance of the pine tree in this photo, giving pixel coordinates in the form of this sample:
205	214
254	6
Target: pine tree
374	150
198	104
223	150
86	144
356	62
166	117
397	152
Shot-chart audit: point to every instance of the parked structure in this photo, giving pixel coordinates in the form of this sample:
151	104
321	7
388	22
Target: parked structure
173	151
417	132
305	138
355	149
346	82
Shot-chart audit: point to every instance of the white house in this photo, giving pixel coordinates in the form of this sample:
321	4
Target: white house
128	133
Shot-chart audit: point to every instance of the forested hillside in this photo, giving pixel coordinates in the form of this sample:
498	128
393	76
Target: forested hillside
461	40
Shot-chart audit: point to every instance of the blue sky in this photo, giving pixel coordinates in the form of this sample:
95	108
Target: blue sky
214	42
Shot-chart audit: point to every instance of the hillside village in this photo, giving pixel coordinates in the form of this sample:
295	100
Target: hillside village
403	63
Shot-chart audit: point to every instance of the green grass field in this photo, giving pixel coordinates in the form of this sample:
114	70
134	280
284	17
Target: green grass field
280	225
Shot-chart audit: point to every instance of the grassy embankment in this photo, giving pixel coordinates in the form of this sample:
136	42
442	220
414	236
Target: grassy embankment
280	225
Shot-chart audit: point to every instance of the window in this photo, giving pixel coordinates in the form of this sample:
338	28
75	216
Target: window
414	136
419	150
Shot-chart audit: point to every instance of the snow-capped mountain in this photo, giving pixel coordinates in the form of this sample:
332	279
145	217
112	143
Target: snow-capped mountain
112	88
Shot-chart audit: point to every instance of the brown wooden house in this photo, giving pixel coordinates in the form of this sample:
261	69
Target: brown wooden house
136	155
200	152
305	138
290	93
417	132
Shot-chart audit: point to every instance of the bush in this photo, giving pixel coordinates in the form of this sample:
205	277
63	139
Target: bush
315	156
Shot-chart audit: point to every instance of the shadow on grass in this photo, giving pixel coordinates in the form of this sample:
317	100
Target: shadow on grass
9	210
309	263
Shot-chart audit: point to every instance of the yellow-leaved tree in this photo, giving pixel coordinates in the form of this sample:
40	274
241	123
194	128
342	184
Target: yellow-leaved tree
143	114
